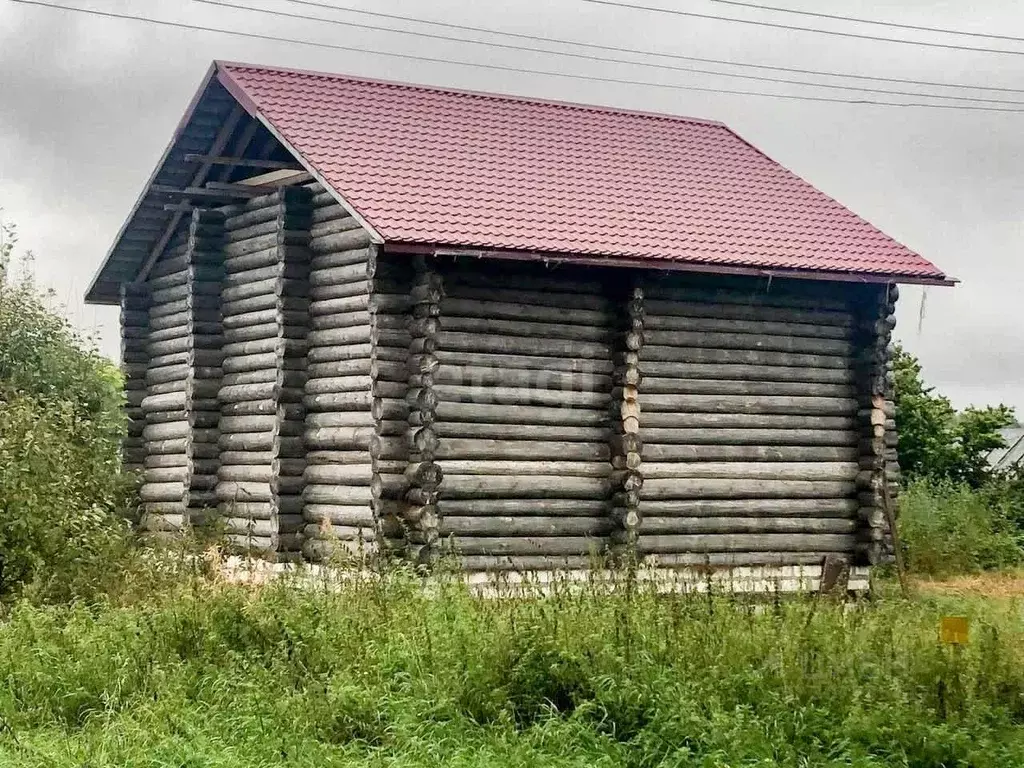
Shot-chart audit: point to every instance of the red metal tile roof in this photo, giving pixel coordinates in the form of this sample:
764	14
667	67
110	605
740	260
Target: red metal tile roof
425	165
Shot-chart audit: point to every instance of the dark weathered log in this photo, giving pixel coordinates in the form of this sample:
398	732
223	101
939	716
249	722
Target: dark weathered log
496	468
525	361
747	542
525	563
742	559
455	309
517	345
526	486
493	525
749	341
666	295
340	474
705	324
742	420
664	385
524	545
520	415
757	437
468	430
844	471
835	507
709	355
753	525
768	453
711	488
458	448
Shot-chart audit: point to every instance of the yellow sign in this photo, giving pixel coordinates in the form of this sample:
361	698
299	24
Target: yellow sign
953	630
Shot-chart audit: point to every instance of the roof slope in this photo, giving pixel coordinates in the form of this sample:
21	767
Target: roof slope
425	165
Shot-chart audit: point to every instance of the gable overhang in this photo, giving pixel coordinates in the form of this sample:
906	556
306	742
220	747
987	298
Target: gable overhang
215	117
662	265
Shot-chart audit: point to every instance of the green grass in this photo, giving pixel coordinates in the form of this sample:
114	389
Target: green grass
378	673
952	529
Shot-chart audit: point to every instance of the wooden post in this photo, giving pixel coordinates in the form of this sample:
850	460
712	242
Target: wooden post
422	473
878	461
627	475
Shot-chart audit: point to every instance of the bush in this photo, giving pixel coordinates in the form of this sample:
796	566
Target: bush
949	529
63	495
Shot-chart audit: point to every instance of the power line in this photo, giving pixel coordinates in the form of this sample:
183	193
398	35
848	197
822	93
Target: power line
606	59
876	22
817	30
503	68
639	52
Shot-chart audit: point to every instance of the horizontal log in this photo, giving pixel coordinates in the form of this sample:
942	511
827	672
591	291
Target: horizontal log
346	495
332	354
525	486
458	526
754	437
172	491
750	341
339	438
340	241
483	376
696	324
354	516
339	291
743	420
358	418
547	432
727	560
517	345
816	297
520	506
693	508
768	453
655	385
599	469
710	355
747	542
748	312
486	325
529	362
524	545
728	488
530	278
704	525
230	490
458	448
340	474
518	415
525	396
838	471
526	563
246	441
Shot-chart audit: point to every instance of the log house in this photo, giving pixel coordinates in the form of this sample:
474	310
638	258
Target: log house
420	323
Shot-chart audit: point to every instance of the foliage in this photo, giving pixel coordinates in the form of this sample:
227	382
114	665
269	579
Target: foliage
948	529
62	491
380	672
936	442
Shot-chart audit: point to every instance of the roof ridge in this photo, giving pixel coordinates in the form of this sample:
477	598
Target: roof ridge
491	95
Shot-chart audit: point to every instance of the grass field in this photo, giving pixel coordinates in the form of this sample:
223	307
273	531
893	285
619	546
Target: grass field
378	673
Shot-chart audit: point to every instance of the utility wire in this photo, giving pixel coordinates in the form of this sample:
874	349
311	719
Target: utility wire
816	30
876	22
640	52
502	68
594	57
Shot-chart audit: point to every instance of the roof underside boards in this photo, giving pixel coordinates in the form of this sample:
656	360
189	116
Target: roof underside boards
463	170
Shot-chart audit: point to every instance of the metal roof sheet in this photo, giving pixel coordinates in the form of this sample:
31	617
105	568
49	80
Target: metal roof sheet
422	165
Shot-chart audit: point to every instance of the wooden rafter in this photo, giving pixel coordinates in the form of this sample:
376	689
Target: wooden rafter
221	191
219	143
245	162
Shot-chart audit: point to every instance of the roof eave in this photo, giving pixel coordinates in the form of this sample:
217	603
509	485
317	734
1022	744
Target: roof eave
667	265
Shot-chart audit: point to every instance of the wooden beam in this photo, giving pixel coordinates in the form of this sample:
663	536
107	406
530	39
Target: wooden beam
221	141
180	207
244	162
222	194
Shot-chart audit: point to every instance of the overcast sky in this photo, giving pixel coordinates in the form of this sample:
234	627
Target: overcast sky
87	105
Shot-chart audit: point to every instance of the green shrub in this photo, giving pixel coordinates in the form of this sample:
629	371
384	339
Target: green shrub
949	529
62	493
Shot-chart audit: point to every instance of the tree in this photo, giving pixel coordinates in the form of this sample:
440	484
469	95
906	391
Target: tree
62	491
935	441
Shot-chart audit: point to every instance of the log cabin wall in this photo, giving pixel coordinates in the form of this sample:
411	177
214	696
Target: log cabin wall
182	377
518	363
265	310
134	358
749	403
509	414
339	424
